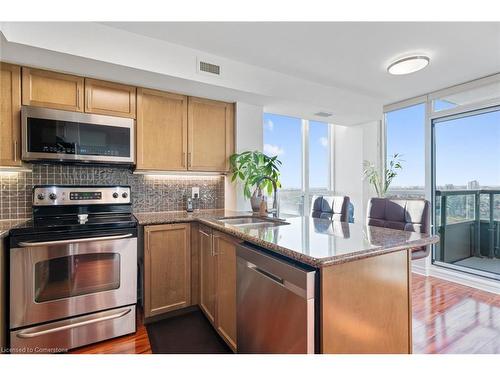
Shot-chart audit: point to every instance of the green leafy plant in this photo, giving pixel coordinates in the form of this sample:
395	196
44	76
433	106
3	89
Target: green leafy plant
251	166
381	183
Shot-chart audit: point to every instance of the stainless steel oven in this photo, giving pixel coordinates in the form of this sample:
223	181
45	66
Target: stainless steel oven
73	268
54	279
51	134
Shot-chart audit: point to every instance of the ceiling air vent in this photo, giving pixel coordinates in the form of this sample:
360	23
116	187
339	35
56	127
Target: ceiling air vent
322	114
206	67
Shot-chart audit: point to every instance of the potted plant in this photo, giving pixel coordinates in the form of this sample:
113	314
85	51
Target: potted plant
381	183
249	167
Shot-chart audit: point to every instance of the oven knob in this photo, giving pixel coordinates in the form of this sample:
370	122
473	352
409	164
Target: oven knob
124	195
40	196
52	196
115	195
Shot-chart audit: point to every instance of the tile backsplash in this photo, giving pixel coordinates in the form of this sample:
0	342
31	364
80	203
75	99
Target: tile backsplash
149	192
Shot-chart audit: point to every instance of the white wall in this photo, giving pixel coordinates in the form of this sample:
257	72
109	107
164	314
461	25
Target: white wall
372	152
248	137
348	164
353	145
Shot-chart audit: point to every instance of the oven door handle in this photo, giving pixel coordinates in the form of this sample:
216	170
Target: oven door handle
28	335
78	240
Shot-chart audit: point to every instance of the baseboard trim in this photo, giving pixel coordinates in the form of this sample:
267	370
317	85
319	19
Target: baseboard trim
458	277
421	270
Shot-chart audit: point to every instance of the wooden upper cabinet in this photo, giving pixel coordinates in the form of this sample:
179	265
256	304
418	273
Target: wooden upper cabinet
161	130
207	273
42	88
225	250
108	98
10	115
167	268
211	135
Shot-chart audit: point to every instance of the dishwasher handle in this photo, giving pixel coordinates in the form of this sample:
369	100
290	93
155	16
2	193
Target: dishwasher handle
299	280
267	274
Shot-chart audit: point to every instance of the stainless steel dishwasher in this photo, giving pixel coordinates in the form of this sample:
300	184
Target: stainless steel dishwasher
275	304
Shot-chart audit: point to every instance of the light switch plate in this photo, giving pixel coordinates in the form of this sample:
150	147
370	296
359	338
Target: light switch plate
195	190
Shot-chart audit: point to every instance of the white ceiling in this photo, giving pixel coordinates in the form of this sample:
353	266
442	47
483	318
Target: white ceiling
345	55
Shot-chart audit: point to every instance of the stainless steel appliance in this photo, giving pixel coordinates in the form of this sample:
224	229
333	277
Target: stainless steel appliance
51	134
275	304
73	268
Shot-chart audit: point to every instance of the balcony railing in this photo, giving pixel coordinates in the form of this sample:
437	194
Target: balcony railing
468	222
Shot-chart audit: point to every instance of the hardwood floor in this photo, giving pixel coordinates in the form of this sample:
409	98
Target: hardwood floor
447	318
452	318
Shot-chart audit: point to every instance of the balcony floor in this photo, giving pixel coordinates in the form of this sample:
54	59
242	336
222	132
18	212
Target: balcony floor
482	264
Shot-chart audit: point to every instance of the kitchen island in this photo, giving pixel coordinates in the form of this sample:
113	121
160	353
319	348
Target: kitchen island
363	291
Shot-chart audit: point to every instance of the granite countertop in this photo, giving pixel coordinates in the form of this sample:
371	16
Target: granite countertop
317	242
7	225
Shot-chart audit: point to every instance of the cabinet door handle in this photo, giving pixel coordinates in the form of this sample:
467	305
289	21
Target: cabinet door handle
189	159
183	158
77	98
15	150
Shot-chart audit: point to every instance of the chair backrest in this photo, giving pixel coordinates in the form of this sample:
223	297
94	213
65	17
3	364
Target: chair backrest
404	214
330	207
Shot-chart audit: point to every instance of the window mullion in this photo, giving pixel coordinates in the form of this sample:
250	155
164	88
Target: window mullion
331	159
305	165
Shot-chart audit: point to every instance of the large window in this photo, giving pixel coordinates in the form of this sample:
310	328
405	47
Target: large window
282	137
304	147
405	135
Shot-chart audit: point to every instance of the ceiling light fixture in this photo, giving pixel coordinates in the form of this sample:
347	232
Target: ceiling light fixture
408	65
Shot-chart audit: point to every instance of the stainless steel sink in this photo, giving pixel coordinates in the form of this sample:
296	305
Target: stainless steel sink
240	221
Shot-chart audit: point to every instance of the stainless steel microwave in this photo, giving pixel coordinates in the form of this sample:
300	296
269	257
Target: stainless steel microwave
55	135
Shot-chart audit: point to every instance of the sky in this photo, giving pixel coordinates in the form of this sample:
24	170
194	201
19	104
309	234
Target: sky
283	137
469	149
466	149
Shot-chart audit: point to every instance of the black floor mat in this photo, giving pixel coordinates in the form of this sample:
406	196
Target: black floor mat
190	333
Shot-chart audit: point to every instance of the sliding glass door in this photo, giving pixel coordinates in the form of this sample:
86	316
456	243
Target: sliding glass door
466	191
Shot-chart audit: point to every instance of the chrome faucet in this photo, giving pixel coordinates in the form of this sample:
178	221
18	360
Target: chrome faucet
275	210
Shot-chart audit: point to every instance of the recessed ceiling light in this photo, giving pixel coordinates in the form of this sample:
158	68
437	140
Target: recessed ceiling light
408	65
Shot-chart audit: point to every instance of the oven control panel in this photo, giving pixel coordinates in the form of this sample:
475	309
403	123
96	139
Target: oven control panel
80	195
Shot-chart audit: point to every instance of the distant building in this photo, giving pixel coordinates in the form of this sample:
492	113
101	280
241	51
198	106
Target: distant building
449	187
473	185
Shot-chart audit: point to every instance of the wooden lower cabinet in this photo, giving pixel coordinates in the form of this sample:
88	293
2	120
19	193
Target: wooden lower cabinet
218	282
225	252
207	273
366	306
167	268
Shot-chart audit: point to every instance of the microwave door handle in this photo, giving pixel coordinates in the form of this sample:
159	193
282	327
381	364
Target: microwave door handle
28	335
78	240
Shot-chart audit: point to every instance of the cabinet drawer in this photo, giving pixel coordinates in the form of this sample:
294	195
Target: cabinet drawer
75	332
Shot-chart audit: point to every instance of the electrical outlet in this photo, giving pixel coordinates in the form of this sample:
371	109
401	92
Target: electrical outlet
195	192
